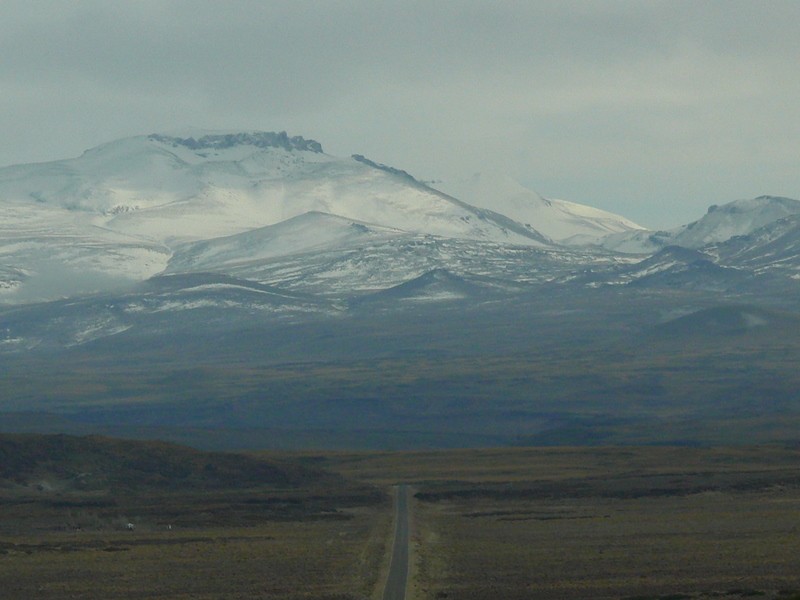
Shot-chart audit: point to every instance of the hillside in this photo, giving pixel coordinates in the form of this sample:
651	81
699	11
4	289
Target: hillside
62	463
720	224
562	221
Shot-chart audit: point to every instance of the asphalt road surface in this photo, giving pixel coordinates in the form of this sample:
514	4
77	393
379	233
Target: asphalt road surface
398	569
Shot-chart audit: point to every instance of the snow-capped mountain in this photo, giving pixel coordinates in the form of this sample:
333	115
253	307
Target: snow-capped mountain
201	282
720	223
740	217
562	221
744	245
120	211
773	248
275	228
239	202
172	189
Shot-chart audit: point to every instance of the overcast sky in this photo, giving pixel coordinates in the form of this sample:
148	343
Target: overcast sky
653	110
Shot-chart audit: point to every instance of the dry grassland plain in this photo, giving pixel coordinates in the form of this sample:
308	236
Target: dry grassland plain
640	523
597	523
203	525
285	560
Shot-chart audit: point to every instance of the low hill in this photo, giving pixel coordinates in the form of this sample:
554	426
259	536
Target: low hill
731	320
70	463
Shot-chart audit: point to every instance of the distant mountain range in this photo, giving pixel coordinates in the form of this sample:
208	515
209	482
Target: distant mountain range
262	244
277	210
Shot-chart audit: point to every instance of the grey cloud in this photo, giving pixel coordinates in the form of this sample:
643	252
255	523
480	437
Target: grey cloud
583	95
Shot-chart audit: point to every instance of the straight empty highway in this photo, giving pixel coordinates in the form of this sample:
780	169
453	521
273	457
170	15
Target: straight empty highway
398	568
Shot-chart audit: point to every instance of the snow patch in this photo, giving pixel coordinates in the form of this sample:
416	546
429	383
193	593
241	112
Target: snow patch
563	221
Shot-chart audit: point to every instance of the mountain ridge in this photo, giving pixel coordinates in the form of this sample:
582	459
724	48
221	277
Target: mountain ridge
271	211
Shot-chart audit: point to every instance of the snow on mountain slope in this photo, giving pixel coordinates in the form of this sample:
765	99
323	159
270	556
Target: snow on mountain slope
124	175
309	232
676	267
117	212
50	252
740	217
773	248
171	189
636	242
720	223
563	221
438	285
10	279
380	262
346	187
276	210
195	302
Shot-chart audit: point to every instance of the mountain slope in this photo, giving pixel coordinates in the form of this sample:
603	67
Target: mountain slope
719	224
676	268
563	221
116	214
309	232
49	251
673	262
437	285
740	217
171	305
273	212
774	248
168	188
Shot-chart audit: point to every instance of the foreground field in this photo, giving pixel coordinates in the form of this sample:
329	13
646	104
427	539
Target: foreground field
322	559
202	525
703	545
645	523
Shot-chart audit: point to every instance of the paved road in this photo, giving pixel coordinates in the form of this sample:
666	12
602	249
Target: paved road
398	569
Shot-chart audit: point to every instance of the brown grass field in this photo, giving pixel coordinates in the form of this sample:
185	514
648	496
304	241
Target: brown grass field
646	523
206	526
592	523
318	559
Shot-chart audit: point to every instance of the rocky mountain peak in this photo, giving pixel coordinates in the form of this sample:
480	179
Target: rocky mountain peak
259	139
